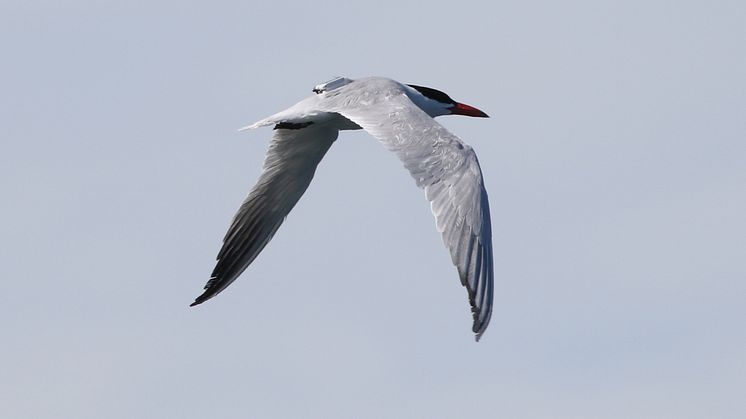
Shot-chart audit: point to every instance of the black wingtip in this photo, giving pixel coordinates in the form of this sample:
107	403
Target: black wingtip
202	298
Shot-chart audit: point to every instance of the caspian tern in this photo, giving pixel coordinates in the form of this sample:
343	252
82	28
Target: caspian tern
401	117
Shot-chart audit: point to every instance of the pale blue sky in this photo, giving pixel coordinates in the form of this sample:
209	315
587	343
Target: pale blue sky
614	160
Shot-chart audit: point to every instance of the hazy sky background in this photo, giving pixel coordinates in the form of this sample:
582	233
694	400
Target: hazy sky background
614	159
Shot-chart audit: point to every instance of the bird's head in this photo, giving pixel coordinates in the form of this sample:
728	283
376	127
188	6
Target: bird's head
436	103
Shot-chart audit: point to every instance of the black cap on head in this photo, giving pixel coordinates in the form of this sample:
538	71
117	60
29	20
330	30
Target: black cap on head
433	94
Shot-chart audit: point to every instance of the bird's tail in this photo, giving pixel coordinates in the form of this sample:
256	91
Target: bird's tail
258	124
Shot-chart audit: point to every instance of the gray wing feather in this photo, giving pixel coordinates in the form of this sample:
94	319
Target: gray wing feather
445	167
289	166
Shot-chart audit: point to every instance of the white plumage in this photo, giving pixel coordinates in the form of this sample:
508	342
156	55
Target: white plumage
401	118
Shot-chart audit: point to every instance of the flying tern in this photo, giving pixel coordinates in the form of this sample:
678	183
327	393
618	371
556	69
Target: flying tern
401	117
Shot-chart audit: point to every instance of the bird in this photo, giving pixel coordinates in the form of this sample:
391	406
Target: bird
400	116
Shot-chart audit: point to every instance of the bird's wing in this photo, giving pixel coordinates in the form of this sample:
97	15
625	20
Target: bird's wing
448	170
294	153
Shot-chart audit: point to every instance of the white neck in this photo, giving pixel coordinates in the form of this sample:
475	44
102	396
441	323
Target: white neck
431	107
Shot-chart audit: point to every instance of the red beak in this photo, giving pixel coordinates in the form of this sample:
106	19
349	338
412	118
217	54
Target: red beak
461	109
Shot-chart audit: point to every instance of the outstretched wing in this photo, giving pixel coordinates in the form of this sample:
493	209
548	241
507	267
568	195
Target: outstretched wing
448	170
294	153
